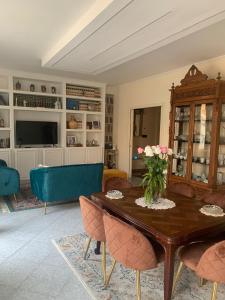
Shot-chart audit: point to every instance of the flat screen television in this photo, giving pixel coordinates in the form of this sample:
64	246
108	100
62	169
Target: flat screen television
36	133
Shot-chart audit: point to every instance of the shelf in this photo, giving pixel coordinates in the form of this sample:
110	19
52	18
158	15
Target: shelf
77	129
198	162
198	120
37	93
198	142
37	109
94	130
180	140
4	107
5	129
4	91
73	111
83	98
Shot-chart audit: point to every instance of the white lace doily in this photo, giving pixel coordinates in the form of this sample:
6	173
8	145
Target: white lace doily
114	197
162	203
212	214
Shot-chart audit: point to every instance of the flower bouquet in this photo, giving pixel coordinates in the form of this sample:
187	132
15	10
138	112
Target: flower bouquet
156	161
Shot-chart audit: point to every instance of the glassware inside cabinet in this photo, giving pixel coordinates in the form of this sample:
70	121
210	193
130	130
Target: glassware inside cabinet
181	135
221	153
201	142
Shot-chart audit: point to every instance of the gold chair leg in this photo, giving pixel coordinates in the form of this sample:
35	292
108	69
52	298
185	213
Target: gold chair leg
110	273
214	291
177	276
104	261
88	245
138	285
14	196
45	209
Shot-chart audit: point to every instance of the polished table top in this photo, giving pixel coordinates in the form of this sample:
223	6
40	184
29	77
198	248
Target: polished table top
176	225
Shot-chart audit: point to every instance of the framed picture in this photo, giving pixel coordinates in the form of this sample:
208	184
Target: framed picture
71	140
96	124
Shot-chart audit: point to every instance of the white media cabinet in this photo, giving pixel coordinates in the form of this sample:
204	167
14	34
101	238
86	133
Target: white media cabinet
38	97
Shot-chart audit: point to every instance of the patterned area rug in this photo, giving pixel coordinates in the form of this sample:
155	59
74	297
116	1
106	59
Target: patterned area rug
122	284
24	200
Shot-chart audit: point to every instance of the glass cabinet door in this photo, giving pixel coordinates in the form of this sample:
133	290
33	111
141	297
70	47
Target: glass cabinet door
221	153
180	144
201	142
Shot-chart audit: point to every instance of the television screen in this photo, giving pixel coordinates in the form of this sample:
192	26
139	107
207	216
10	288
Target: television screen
36	133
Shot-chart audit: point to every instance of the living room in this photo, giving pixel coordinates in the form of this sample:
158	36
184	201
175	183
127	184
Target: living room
72	74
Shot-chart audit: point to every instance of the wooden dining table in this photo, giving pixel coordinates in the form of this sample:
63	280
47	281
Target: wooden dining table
171	228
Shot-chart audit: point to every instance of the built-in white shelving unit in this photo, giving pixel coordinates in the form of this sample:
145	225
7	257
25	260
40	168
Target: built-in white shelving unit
36	97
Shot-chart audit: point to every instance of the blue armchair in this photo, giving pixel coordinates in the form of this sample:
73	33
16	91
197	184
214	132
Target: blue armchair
9	180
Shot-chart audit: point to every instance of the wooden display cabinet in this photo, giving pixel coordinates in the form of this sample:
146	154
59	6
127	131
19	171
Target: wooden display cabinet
197	132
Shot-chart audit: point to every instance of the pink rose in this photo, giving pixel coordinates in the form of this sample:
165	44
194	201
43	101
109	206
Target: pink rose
140	150
163	149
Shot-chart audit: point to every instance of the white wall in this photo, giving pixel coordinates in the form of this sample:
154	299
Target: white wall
152	91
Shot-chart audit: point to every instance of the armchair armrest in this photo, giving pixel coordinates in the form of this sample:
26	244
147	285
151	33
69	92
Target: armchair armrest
9	181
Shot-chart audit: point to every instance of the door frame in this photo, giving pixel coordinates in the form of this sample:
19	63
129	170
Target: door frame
162	105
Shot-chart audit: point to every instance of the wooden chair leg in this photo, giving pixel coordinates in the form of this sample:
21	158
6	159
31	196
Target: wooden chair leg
110	273
202	281
177	276
214	291
88	245
138	285
104	261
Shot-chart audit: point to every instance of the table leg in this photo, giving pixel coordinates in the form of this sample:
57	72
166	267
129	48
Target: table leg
97	249
168	270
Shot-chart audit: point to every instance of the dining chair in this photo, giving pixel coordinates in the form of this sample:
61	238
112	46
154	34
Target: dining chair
216	198
92	217
207	260
183	189
114	183
129	247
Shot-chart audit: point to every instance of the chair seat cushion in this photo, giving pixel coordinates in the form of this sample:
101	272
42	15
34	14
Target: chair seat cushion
191	254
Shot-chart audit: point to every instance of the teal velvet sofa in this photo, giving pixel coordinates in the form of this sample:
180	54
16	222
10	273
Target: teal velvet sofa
9	180
64	183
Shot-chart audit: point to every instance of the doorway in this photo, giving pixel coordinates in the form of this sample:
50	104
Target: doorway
146	131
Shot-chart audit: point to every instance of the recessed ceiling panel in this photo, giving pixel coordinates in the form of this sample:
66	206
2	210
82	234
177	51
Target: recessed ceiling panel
139	28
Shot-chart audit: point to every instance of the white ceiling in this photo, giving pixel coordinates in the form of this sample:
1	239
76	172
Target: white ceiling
109	40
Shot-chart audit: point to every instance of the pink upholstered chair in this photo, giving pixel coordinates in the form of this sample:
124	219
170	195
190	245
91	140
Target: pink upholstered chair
92	216
217	198
182	189
116	183
129	247
207	260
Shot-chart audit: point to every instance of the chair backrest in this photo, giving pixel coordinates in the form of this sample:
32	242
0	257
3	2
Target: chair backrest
127	245
92	217
3	163
212	263
114	183
182	189
217	198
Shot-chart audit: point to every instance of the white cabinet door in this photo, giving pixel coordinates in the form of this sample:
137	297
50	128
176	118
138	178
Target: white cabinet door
25	160
94	155
75	156
53	157
6	156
